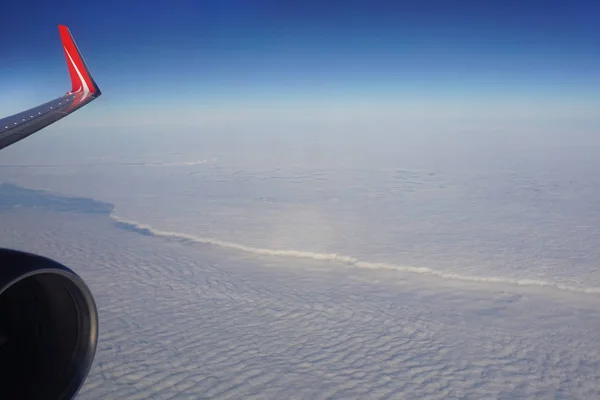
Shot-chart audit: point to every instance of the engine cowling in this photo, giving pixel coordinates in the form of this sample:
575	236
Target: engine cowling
48	328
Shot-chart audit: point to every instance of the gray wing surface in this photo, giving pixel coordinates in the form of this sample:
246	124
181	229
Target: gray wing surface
84	90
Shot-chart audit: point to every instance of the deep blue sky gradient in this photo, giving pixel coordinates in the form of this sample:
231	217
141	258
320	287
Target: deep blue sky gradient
189	55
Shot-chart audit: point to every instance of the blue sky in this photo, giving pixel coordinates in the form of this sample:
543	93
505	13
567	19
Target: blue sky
164	61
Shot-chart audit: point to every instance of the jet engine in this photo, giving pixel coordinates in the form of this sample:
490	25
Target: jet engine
48	328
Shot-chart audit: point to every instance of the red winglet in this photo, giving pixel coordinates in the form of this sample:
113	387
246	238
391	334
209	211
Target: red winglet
81	79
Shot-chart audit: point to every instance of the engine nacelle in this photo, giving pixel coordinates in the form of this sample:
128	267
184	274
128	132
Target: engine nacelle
48	328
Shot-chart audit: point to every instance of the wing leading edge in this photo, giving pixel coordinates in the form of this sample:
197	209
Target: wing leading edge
83	91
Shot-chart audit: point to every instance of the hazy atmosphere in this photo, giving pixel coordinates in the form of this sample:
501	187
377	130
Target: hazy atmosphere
353	201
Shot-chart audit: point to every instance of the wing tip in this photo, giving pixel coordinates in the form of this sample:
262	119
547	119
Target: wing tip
81	78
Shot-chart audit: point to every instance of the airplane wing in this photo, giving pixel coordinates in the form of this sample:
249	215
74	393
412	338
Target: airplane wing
83	91
48	316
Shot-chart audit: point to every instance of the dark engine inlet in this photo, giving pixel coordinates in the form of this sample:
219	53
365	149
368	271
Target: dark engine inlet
48	328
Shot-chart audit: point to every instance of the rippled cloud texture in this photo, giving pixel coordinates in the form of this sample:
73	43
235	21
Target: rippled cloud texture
182	317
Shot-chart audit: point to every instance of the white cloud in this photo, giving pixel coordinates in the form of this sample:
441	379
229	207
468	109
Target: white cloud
187	321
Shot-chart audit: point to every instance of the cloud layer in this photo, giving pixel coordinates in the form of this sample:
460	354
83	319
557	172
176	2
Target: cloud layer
184	320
